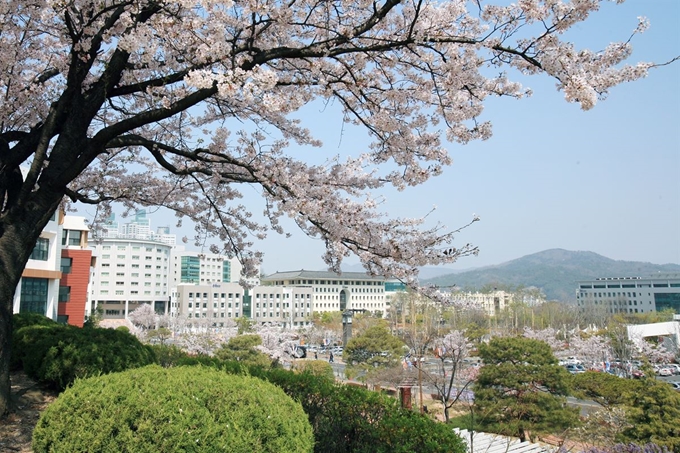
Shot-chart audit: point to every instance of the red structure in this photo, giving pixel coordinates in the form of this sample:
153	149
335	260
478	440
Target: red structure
75	277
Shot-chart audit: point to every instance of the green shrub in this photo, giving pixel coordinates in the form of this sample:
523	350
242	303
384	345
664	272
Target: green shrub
123	329
168	355
20	320
57	355
187	409
315	367
351	419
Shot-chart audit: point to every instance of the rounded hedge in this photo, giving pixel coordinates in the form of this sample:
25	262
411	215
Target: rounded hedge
56	355
183	409
20	320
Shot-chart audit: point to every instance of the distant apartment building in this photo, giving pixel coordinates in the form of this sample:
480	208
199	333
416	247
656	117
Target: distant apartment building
38	289
76	262
218	303
335	292
138	227
630	294
132	267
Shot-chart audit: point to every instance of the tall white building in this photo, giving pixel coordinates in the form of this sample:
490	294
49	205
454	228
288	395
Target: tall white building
204	268
336	292
630	294
132	268
128	273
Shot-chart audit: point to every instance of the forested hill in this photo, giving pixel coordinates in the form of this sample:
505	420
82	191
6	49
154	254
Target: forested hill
554	271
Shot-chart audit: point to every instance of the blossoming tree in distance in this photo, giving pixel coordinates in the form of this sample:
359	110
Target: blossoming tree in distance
179	103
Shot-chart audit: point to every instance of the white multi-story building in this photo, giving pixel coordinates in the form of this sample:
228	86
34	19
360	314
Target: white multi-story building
38	289
128	273
132	268
336	292
630	294
217	303
204	268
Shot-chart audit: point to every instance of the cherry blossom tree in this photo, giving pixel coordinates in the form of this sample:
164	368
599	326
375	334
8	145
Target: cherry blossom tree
278	343
178	103
144	316
455	376
593	350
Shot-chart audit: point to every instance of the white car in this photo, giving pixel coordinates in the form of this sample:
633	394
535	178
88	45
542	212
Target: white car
665	371
674	367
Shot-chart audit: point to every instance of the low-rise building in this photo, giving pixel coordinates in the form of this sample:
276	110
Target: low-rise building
630	294
492	302
335	292
217	303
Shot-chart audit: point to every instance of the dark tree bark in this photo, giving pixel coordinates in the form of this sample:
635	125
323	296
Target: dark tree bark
19	230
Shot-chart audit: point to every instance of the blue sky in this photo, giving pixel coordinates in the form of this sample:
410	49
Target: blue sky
552	176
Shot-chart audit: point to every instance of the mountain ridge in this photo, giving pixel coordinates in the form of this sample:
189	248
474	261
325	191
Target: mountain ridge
554	271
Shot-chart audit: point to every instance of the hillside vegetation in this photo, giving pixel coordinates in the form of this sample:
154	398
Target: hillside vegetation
554	271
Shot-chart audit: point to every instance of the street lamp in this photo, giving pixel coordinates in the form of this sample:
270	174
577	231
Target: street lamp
346	326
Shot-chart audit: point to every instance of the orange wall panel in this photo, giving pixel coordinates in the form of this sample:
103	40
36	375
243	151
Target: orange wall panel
78	279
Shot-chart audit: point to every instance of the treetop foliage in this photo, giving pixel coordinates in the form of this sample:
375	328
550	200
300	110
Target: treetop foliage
100	96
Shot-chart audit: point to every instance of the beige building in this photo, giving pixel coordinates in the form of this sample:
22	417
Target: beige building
492	303
219	303
335	292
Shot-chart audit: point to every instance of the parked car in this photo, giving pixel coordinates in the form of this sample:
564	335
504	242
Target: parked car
665	371
675	385
674	367
575	369
637	374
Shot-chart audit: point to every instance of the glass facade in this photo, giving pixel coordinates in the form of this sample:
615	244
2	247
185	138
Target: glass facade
394	286
190	271
33	295
226	271
665	301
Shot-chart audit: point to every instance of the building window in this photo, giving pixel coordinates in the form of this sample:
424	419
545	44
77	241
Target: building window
33	295
41	249
64	293
74	237
66	264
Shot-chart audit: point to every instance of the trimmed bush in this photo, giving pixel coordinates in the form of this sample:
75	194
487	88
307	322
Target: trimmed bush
20	320
187	409
351	419
319	368
168	355
57	355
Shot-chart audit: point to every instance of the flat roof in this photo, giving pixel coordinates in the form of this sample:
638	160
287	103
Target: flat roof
289	275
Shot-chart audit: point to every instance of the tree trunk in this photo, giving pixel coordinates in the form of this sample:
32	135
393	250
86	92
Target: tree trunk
6	300
18	235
